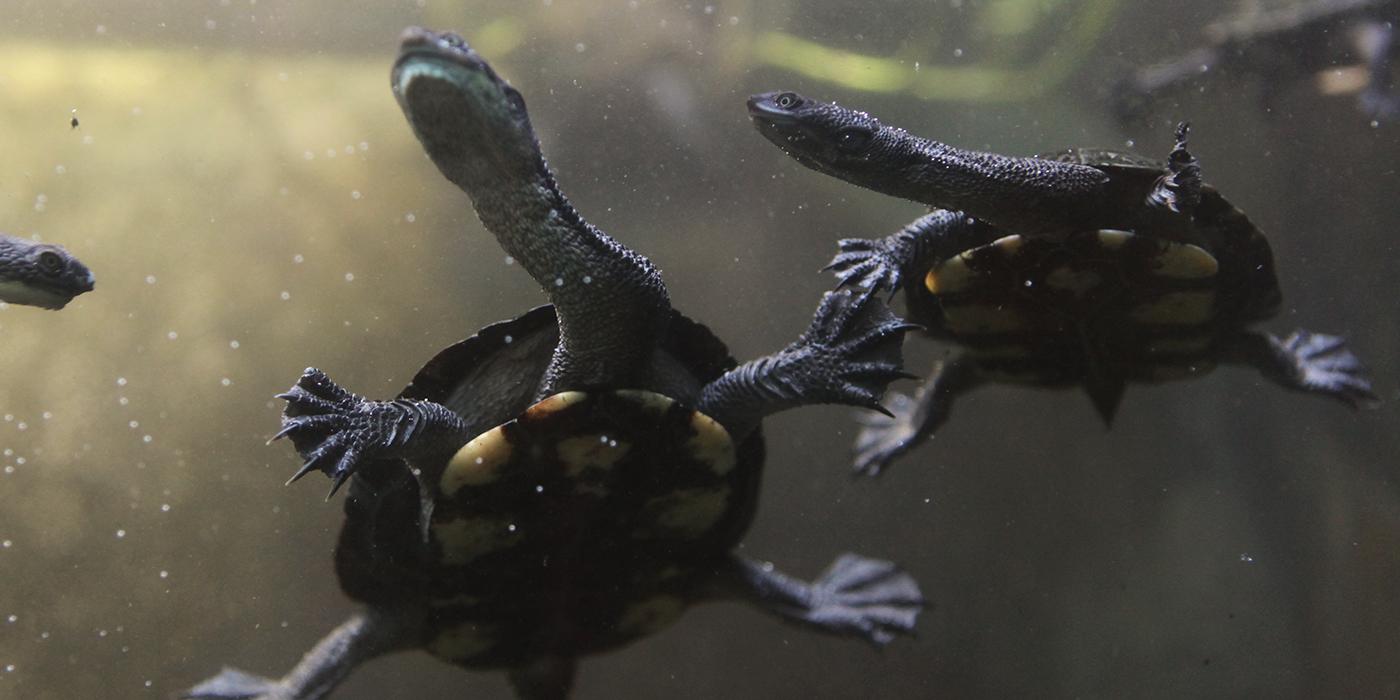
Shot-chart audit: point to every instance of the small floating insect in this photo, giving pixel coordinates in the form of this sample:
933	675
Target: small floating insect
74	122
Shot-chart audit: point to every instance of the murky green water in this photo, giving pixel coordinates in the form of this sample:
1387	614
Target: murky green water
252	202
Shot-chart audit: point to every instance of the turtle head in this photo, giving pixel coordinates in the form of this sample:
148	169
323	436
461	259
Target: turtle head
472	123
40	274
831	139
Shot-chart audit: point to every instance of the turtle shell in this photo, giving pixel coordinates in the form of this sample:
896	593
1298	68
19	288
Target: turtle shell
557	541
1151	302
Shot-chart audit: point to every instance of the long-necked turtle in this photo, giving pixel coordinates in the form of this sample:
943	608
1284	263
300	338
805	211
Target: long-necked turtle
1347	47
1090	269
40	274
564	482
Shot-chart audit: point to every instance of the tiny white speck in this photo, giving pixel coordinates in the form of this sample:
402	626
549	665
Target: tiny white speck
164	574
510	260
123	400
558	281
9	468
133	425
330	152
7	544
102	633
308	155
47	415
410	217
539	488
59	169
354	194
226	381
298	258
150	279
603	439
364	146
733	21
210	24
1246	558
511	527
350	149
100	29
580	47
22	426
233	344
146	438
9	668
165	507
121	381
509	339
172	335
349	277
148	684
13	618
479	460
588	279
957	53
20	461
9	417
286	295
121	534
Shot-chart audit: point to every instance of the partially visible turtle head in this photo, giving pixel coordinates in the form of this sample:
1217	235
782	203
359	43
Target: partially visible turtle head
40	274
831	139
470	121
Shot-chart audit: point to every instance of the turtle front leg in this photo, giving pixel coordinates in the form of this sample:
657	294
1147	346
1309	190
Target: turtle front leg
1305	361
849	353
364	636
903	257
855	596
334	430
912	419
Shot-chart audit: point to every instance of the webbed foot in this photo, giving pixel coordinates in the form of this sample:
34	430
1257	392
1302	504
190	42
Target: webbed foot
857	596
883	439
1322	364
849	353
869	263
334	430
233	684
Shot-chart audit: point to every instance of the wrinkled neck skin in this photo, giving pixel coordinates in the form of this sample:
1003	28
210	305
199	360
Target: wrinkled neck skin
611	302
1021	195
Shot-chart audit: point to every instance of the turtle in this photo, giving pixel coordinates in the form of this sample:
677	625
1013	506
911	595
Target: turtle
568	481
1346	46
40	274
1090	268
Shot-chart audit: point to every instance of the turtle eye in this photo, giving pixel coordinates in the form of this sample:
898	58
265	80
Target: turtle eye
788	100
50	262
853	138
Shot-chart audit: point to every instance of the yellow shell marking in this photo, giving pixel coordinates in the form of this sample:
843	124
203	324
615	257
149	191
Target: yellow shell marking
477	462
954	275
465	539
1183	261
1176	309
1113	239
651	402
687	514
553	404
650	615
589	452
982	318
710	444
462	642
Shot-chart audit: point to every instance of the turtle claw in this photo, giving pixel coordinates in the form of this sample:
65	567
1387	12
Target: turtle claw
868	597
883	440
867	264
1323	364
856	342
332	429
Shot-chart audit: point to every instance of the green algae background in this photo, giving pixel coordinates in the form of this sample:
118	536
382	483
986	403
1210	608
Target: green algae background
252	203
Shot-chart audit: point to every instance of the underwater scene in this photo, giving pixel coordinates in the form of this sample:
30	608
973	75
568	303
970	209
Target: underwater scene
656	348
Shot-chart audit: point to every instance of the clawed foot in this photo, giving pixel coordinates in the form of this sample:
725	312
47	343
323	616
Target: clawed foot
866	597
852	350
1322	363
883	439
1180	188
233	684
869	264
334	430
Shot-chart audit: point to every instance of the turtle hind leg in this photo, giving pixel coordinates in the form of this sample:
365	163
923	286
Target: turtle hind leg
855	596
1312	362
849	353
1178	189
233	684
912	419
